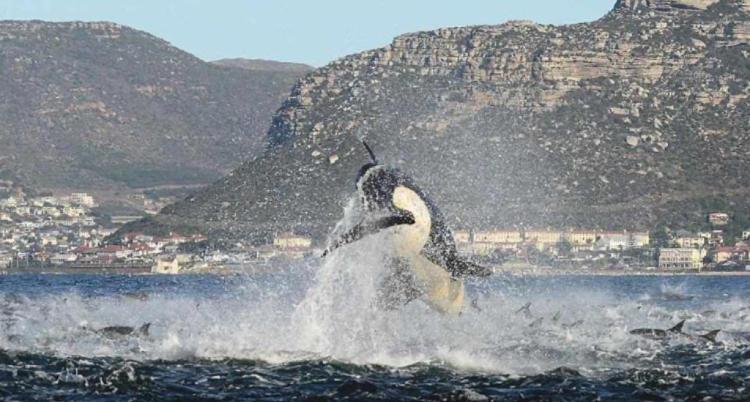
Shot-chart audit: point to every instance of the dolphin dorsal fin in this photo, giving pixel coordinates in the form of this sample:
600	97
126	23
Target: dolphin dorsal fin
143	330
677	328
711	336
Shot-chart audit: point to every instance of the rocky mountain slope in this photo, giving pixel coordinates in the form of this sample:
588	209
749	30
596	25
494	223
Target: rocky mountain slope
92	105
638	118
264	65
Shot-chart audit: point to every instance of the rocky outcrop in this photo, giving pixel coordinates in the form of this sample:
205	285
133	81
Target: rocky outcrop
100	106
623	122
665	5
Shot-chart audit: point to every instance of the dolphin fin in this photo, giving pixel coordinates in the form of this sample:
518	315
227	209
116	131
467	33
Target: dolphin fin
475	304
524	309
677	328
143	330
711	336
367	227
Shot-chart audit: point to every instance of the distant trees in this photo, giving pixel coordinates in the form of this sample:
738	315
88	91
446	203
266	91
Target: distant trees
660	236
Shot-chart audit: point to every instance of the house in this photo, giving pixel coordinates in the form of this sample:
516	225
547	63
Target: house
114	251
639	240
581	238
543	239
73	211
263	253
63	258
10	202
484	248
680	258
740	252
718	219
291	241
140	250
170	264
613	241
688	240
5	260
722	254
462	236
82	199
498	236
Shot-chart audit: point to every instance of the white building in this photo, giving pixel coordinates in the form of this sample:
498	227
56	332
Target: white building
681	258
613	241
171	264
690	241
62	258
83	199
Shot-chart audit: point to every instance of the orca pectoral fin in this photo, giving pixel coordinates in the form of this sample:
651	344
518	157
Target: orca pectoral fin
677	328
463	268
711	336
368	227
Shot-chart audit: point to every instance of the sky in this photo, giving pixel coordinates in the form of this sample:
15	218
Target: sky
305	31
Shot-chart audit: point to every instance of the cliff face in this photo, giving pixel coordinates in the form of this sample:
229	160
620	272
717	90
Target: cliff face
89	105
633	119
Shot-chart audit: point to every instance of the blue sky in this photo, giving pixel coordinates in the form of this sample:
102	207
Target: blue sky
312	32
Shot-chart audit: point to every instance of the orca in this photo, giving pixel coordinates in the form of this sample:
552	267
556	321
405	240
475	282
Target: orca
425	262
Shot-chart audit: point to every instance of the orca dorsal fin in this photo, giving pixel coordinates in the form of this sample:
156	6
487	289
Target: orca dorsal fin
711	336
677	328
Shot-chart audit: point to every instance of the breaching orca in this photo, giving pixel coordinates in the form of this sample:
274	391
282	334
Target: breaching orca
426	263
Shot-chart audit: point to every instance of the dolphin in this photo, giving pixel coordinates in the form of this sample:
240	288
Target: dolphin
652	333
675	331
525	309
426	263
117	331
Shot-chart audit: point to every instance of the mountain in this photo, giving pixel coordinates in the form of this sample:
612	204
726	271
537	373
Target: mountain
265	65
639	118
97	105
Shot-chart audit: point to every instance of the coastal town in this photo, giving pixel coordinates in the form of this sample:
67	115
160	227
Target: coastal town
43	233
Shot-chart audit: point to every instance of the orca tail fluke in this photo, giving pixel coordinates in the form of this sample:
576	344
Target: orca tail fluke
677	328
711	336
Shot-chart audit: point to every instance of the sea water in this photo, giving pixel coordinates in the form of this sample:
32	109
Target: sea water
312	329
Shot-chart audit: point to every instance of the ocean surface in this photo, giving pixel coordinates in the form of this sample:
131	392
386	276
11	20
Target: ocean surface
311	331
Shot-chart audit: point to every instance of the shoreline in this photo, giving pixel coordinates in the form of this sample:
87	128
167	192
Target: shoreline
533	272
256	270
